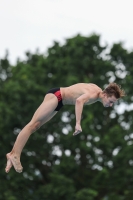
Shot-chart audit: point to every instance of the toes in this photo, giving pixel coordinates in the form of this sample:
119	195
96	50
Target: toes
19	170
8	166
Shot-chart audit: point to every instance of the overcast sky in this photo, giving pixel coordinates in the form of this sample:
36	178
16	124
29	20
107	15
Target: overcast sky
31	24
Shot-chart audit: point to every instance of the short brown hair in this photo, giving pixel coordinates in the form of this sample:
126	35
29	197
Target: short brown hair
114	89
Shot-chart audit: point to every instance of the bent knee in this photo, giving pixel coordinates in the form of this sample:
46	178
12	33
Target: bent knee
34	126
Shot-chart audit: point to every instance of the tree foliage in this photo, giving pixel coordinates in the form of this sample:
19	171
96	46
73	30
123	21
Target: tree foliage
94	165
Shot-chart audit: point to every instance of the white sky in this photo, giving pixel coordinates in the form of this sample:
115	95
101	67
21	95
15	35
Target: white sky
31	24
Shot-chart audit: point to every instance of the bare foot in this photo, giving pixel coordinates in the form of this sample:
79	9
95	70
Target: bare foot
12	160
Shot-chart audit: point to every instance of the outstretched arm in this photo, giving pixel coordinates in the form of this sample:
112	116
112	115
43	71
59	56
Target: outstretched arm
78	111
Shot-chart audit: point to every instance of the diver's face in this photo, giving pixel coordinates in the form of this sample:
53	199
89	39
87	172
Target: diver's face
108	101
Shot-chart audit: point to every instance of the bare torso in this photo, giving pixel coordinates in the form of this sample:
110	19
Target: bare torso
71	93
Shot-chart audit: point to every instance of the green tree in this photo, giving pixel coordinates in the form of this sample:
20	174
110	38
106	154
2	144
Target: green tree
94	165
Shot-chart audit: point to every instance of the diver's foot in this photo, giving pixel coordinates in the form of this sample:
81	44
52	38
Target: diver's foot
13	160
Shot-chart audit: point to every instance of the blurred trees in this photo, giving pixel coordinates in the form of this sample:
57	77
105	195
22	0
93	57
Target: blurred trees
94	165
